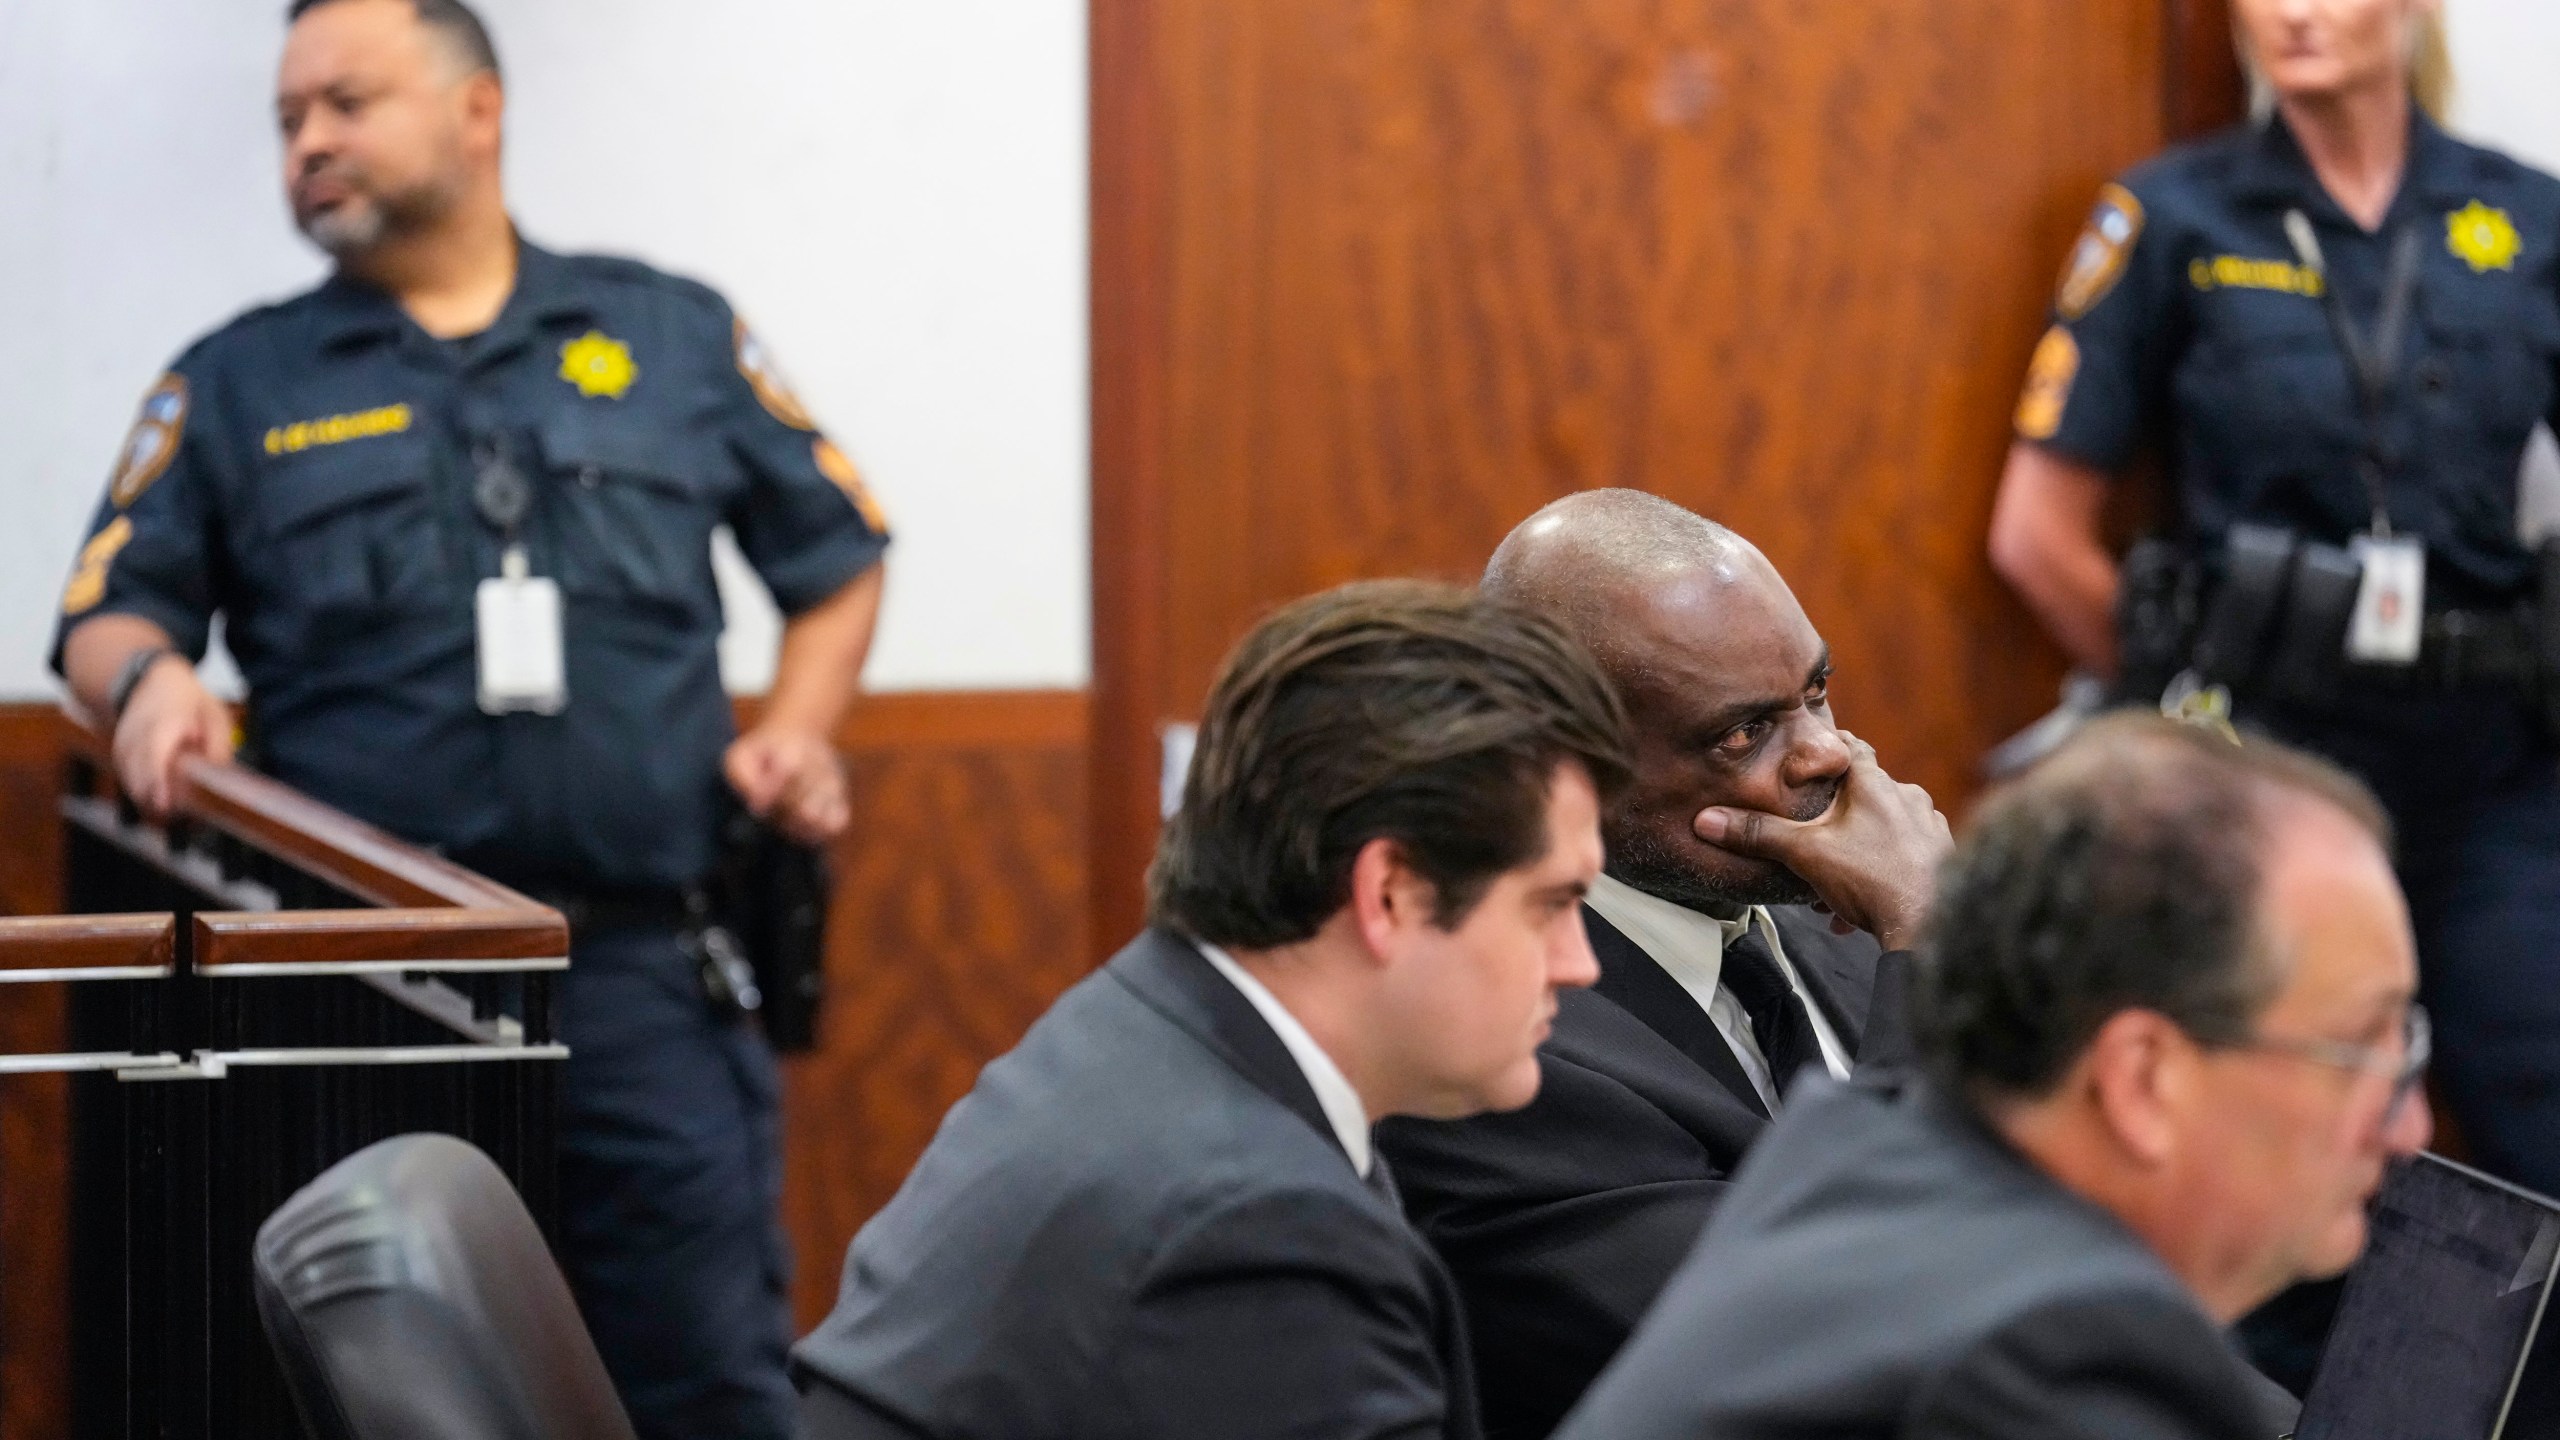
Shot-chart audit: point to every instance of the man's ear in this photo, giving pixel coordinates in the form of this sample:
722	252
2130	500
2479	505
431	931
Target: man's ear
2141	1074
484	103
1390	901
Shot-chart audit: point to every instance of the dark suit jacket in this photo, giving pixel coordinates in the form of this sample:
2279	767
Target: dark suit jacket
1563	1220
1139	1224
1887	1266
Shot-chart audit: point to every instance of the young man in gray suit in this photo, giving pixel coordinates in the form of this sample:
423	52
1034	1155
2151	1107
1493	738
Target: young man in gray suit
1161	1215
2168	1038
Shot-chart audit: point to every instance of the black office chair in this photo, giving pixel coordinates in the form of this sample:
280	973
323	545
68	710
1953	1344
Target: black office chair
410	1297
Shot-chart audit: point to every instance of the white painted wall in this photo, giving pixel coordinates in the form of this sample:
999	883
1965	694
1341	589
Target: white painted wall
893	191
2506	62
2505	56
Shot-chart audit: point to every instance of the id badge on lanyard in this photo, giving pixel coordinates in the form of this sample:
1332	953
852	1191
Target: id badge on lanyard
522	661
2388	623
523	653
2391	600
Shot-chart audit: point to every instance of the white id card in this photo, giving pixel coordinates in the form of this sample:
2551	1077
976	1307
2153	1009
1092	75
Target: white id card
520	647
2391	601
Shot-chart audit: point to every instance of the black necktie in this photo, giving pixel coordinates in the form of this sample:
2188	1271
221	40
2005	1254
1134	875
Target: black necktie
1779	1020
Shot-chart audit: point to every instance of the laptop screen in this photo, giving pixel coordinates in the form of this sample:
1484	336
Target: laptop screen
2437	1316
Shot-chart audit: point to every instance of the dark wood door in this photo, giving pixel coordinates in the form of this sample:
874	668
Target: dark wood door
1375	278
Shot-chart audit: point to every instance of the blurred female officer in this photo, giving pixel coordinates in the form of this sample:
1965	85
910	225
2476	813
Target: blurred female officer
2340	324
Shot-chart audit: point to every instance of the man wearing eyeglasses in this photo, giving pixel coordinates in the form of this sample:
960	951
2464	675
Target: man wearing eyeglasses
454	508
2165	1009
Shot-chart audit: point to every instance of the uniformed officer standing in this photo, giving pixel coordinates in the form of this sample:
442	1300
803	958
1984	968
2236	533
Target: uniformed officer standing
2338	325
455	508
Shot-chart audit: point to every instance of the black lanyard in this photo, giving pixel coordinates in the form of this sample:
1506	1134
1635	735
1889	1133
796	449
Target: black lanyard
2372	360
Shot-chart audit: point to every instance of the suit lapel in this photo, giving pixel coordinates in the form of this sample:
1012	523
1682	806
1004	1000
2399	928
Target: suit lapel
1631	980
1173	977
1837	971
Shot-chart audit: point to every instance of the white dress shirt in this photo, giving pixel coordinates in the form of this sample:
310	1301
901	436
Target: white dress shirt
1690	945
1341	1103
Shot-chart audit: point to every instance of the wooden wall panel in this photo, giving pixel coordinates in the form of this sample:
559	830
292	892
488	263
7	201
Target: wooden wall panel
2203	89
959	915
1373	280
35	1129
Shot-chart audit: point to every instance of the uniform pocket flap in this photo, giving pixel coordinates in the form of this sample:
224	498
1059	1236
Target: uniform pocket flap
577	444
310	488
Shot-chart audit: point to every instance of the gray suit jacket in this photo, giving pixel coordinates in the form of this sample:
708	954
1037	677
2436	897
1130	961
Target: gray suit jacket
1885	1265
1140	1224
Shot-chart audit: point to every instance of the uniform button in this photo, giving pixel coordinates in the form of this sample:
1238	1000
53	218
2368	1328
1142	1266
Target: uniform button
2432	375
590	477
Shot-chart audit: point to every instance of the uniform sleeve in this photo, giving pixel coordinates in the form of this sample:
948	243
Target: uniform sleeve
807	521
149	548
1292	1314
2092	388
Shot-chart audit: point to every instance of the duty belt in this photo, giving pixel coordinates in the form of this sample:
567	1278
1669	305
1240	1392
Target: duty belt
2266	620
2464	649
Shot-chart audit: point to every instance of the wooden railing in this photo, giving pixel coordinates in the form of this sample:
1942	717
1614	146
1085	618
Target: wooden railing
256	988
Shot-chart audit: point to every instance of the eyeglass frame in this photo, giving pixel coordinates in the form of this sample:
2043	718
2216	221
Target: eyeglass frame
2417	1034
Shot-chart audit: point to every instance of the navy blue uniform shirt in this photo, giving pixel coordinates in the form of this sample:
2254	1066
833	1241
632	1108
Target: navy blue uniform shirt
307	471
2185	319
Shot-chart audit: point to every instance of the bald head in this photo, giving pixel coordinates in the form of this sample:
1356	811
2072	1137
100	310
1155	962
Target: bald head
1725	682
1598	559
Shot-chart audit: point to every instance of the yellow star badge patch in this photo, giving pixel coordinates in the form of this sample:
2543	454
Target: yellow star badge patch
2482	237
598	364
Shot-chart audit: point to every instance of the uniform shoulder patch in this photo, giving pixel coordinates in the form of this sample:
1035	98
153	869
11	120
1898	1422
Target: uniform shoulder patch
89	577
153	441
598	365
765	378
2099	256
2483	237
2048	390
839	467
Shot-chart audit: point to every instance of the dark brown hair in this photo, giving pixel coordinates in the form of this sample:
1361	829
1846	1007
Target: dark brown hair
1420	713
2122	873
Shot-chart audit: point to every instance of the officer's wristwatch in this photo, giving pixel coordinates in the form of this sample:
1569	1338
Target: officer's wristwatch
129	679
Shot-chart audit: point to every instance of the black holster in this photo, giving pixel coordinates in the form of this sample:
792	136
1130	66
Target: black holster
2266	619
770	893
2158	602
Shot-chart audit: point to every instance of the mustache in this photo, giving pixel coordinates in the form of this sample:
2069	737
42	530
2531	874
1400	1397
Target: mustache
1816	801
323	167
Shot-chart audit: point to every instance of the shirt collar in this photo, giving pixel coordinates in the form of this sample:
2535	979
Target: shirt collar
2273	167
355	313
1688	943
1342	1106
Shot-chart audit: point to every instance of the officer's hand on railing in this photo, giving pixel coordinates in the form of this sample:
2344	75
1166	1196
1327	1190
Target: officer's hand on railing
792	778
169	717
1872	857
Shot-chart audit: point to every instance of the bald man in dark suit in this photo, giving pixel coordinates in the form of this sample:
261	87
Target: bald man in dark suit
1764	875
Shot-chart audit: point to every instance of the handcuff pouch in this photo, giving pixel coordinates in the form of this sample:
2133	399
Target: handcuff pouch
2309	658
2232	640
